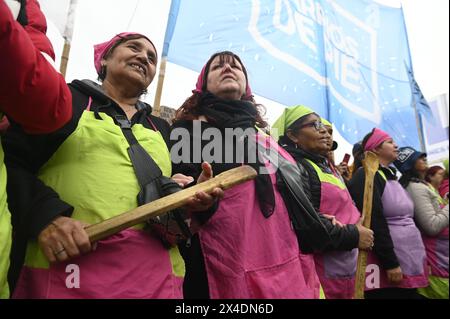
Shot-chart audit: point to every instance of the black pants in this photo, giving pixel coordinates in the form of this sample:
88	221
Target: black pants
195	285
393	293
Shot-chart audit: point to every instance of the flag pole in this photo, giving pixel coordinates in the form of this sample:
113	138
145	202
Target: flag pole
416	112
419	125
68	33
172	19
162	73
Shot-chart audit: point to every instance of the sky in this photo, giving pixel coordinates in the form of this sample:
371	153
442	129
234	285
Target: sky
427	23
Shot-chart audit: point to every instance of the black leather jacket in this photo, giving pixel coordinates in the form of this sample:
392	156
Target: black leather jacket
341	238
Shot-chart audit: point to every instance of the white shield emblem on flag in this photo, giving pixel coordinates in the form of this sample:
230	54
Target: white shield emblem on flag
343	78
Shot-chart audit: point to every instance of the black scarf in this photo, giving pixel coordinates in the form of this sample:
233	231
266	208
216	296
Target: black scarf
227	113
239	114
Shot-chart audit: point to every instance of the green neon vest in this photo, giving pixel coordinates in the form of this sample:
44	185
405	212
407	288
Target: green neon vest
5	231
92	171
327	178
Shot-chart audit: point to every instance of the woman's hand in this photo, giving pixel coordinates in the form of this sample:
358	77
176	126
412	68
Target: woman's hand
333	220
182	180
63	239
395	275
202	201
365	237
343	169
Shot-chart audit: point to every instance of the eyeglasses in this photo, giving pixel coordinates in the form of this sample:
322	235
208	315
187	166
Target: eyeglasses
318	125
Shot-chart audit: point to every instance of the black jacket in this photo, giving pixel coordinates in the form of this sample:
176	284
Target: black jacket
34	205
196	282
345	238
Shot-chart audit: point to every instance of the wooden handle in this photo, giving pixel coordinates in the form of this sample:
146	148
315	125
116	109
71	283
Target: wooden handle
371	165
64	59
158	207
162	73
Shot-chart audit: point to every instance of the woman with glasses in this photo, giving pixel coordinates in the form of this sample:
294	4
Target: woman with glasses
302	133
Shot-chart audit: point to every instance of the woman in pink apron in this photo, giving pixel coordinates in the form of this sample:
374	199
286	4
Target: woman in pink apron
304	135
84	173
247	247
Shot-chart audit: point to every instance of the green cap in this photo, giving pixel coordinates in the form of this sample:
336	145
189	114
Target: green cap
326	122
289	116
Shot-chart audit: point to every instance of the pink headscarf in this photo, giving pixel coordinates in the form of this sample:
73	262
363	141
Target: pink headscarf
201	81
102	48
377	138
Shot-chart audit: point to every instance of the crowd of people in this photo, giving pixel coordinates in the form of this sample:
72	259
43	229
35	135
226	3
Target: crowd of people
75	154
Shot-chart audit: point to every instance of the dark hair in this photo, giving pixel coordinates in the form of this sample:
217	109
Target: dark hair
224	56
432	171
409	176
189	110
102	74
359	155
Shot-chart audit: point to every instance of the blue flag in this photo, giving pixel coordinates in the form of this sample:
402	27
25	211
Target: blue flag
343	58
436	131
418	101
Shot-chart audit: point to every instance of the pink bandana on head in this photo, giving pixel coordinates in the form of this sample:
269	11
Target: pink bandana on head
377	138
201	81
102	48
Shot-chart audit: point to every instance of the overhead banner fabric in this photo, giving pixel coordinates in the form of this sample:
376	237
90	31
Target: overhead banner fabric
436	131
346	59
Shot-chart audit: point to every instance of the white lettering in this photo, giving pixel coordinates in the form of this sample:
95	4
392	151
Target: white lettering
329	52
305	28
350	72
373	278
73	280
320	14
373	19
212	152
180	151
307	8
289	27
192	309
352	47
336	36
197	147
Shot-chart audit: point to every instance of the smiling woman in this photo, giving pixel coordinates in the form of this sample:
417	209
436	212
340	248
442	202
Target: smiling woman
87	172
126	65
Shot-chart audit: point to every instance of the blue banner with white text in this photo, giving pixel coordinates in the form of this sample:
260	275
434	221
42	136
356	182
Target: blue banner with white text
346	59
